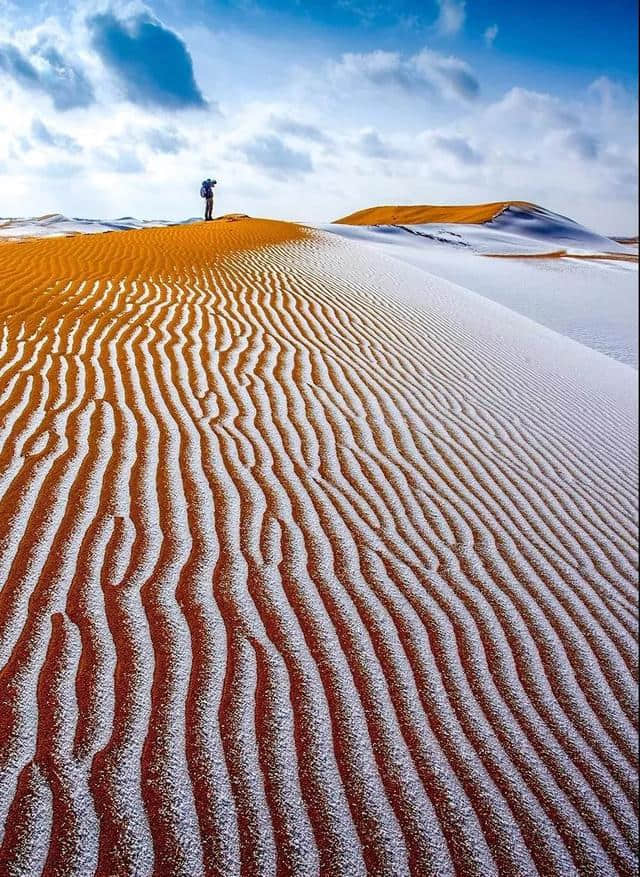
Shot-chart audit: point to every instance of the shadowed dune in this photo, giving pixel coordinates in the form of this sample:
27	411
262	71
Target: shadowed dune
309	564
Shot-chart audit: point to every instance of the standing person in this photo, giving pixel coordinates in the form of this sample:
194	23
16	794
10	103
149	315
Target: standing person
206	192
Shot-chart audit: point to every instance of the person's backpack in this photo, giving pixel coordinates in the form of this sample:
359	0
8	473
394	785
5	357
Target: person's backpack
205	190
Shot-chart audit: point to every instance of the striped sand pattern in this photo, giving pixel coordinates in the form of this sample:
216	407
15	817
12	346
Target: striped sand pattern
308	565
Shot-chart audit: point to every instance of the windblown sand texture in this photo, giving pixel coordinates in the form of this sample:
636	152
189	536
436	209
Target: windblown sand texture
308	565
418	215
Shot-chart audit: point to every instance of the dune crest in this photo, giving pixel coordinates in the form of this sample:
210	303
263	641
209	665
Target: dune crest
308	565
421	214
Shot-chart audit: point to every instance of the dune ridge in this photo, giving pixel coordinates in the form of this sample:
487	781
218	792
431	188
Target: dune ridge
422	214
308	567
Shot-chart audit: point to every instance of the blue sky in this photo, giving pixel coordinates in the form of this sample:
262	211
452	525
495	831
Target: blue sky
588	40
307	110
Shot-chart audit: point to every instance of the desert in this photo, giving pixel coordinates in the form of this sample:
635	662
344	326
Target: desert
312	562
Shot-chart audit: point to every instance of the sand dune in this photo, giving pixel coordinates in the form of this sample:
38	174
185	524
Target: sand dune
537	262
309	564
57	225
419	214
514	227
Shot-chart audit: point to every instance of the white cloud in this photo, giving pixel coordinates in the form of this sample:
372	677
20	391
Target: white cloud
453	76
165	140
337	134
300	130
576	142
119	159
524	111
451	17
459	148
425	73
43	69
48	137
371	144
490	34
271	154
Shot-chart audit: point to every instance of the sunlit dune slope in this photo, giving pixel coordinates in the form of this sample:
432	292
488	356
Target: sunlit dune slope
418	215
310	563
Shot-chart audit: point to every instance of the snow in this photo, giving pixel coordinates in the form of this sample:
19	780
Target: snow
592	301
55	224
379	556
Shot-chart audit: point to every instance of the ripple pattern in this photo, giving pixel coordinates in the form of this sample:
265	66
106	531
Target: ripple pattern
308	566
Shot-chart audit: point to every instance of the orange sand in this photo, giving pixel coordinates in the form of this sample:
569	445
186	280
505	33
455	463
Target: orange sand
300	579
418	215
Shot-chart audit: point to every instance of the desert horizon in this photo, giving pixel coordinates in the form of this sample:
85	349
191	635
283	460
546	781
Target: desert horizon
406	214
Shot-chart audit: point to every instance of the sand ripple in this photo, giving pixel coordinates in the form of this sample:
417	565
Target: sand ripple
307	566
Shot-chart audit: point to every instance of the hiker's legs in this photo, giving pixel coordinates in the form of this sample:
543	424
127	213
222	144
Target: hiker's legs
209	211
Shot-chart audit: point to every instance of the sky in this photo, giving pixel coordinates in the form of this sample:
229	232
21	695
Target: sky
312	109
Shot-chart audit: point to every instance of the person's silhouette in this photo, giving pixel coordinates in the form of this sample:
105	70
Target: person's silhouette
206	192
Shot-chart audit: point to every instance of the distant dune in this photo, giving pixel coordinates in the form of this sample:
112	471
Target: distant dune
535	261
57	225
418	215
509	228
311	563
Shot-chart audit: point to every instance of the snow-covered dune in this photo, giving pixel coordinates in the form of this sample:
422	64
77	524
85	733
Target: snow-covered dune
310	563
56	225
542	265
536	224
428	213
509	227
